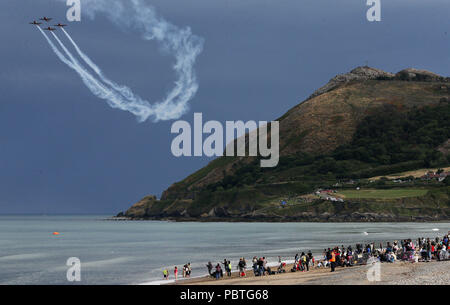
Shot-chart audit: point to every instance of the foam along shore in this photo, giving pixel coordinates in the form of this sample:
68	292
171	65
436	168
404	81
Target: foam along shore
182	280
398	273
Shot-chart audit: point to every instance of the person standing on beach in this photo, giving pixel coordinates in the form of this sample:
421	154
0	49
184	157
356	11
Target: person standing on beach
333	261
218	271
166	274
308	261
227	266
175	272
303	262
337	256
189	270
210	267
310	258
241	266
264	265
327	257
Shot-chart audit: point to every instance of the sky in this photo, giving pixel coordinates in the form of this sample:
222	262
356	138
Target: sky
63	150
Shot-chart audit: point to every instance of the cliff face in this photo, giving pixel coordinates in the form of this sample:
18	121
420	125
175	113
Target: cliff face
327	120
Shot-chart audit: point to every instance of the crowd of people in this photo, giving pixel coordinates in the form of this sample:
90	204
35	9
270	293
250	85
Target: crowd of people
420	250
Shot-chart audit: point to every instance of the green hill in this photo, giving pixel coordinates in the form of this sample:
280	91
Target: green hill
361	124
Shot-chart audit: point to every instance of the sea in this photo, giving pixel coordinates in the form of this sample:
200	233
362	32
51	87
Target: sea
136	252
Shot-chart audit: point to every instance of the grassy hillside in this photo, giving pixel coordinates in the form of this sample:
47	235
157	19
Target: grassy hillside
383	193
351	130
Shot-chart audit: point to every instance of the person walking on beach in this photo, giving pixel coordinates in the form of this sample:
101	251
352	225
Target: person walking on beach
175	272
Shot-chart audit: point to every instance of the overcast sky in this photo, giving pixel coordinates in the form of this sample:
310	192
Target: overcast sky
62	150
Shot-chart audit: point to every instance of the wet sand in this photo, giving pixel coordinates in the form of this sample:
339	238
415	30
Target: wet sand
399	273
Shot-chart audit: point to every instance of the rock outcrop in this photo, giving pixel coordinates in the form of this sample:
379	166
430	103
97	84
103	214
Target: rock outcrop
141	208
419	75
357	74
368	73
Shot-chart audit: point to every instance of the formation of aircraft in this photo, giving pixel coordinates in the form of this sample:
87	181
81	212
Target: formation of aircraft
46	19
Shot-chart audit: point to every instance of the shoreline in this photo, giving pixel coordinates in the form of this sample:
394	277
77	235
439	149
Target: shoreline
397	273
399	260
265	220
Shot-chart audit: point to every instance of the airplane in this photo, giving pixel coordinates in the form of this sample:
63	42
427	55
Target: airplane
36	23
45	19
49	29
61	25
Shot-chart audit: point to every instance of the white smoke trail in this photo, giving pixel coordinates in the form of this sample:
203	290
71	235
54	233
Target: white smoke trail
96	87
124	90
181	43
60	56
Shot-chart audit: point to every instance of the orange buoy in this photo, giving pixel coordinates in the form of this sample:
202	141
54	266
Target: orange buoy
55	233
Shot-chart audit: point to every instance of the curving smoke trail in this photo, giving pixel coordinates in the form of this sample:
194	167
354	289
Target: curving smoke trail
139	108
181	43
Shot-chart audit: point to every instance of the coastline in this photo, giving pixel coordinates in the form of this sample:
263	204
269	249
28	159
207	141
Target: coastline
277	220
398	273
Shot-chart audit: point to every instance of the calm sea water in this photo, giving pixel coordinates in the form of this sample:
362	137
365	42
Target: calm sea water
134	252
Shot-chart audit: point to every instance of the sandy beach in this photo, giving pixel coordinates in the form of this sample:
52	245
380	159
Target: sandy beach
399	273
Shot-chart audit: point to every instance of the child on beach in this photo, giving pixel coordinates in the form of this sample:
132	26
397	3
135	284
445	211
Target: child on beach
166	274
175	272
